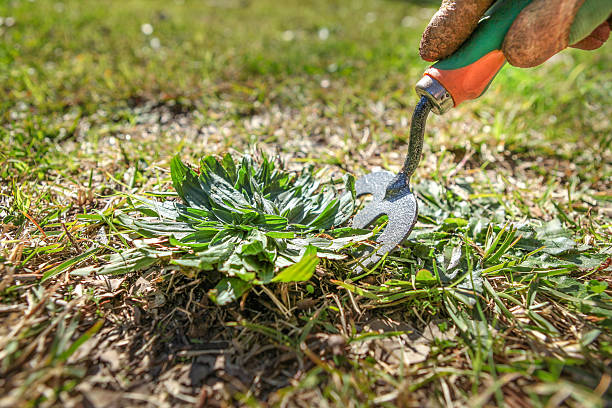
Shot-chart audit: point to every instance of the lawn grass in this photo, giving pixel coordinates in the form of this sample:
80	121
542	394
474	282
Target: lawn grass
95	106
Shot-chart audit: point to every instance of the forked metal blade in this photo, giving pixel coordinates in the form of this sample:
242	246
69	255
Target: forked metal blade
401	210
391	193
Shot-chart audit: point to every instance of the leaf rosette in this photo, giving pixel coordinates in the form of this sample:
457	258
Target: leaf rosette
252	221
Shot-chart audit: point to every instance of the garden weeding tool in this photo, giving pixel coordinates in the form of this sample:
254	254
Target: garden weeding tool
464	75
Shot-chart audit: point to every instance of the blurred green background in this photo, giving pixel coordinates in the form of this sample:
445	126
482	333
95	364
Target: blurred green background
242	56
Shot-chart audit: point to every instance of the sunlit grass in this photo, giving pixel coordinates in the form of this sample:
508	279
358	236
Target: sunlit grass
97	97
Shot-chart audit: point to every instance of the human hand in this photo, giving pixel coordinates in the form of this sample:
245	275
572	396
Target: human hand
542	29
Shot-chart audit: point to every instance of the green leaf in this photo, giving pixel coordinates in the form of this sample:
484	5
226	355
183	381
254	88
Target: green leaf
302	270
424	275
589	337
280	234
132	260
252	248
552	235
596	286
212	257
451	224
230	167
228	290
273	222
179	173
326	218
78	342
65	265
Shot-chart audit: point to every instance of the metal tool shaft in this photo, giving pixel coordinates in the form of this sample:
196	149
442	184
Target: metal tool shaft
417	132
415	148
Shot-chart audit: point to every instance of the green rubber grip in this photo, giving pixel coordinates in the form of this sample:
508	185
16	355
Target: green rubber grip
488	36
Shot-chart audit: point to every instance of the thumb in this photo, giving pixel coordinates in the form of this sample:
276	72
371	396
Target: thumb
450	27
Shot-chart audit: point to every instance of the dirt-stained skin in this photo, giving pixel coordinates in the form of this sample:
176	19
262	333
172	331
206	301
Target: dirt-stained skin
450	27
540	31
597	38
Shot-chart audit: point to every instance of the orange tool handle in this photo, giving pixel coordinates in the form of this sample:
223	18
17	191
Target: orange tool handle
470	81
467	73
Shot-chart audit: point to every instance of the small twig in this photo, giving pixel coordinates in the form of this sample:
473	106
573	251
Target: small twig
29	217
180	288
7	279
16	253
69	235
146	345
460	165
342	317
196	353
11	308
604	384
243	300
350	294
277	302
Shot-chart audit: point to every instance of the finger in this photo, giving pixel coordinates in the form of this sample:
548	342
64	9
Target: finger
450	27
539	32
596	39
